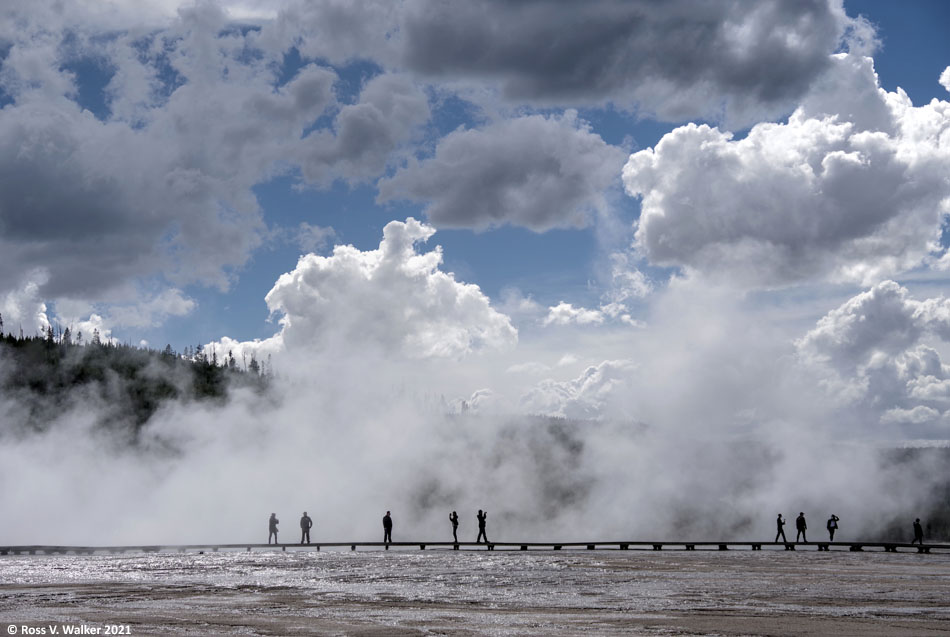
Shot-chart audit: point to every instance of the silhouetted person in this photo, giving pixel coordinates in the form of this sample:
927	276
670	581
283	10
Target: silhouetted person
832	527
305	524
482	517
387	528
780	524
273	528
801	526
454	519
918	532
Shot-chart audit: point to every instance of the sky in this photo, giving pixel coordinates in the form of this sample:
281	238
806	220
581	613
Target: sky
716	218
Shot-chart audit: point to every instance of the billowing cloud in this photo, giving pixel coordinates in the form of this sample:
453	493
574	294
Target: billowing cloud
885	319
22	308
678	60
392	300
590	395
534	171
157	180
877	349
856	195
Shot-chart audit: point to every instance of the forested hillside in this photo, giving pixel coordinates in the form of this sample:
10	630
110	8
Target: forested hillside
42	376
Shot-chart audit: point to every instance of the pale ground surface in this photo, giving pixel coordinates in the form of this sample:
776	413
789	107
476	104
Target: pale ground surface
482	593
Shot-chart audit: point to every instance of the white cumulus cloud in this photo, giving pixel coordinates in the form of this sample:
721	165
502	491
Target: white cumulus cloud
855	194
877	350
393	300
566	314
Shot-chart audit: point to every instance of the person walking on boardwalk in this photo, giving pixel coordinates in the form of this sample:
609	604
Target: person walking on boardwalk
482	517
387	528
832	527
305	525
454	519
801	526
780	524
918	533
273	528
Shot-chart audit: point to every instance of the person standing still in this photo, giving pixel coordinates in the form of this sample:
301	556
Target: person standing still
832	527
801	526
780	523
454	519
272	525
305	525
387	528
482	517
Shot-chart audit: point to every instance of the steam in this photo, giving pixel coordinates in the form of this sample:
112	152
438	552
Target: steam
702	426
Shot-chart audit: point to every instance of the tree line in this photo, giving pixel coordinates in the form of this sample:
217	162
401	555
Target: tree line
55	369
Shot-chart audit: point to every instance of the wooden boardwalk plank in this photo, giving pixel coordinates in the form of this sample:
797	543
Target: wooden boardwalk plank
890	547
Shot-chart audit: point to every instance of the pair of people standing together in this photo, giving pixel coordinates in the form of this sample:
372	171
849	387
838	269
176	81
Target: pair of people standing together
482	518
305	525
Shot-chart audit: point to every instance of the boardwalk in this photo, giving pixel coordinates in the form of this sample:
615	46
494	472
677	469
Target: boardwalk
891	547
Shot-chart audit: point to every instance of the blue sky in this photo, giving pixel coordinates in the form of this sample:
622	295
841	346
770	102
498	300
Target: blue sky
596	170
